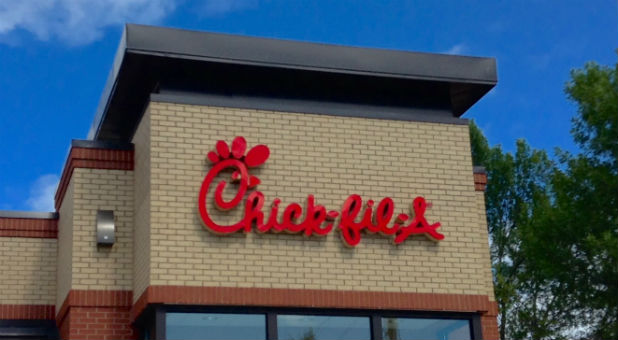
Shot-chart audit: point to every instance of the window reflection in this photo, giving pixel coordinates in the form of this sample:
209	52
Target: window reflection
311	327
425	329
316	327
215	326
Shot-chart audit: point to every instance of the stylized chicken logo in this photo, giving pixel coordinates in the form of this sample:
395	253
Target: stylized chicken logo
255	157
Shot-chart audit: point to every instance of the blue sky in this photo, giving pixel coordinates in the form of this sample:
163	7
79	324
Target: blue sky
55	56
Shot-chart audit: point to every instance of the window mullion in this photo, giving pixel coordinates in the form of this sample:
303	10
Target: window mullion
271	326
376	327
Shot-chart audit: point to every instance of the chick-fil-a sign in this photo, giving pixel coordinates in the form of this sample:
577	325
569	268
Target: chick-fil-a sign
314	219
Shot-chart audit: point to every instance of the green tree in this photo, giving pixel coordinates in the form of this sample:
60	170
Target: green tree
585	211
516	198
553	230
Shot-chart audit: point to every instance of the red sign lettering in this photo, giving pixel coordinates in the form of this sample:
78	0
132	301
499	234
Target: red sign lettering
317	219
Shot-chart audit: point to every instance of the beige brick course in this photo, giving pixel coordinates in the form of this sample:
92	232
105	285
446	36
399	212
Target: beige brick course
82	264
141	243
102	268
28	271
64	273
330	157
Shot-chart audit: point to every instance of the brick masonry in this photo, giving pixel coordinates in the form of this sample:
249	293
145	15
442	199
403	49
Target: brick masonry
91	314
142	241
94	179
480	181
95	283
102	268
82	264
28	227
27	271
90	158
330	157
164	255
97	323
27	312
489	324
64	269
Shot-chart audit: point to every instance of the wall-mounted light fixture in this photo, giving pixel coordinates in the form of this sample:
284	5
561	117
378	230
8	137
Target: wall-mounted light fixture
106	229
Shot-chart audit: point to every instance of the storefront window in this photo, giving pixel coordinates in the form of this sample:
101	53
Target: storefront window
287	325
215	326
314	327
425	329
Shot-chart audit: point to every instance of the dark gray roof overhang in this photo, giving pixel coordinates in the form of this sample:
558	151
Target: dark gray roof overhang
152	59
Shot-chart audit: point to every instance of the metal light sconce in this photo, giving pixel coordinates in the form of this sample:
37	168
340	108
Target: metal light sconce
106	229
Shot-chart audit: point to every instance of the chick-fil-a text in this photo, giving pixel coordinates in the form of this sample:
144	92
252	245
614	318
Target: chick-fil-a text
314	219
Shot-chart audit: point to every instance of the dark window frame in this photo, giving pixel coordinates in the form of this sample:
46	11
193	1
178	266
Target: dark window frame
153	317
28	329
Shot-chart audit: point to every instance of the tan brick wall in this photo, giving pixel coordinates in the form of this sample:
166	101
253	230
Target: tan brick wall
330	157
64	274
28	271
141	245
102	268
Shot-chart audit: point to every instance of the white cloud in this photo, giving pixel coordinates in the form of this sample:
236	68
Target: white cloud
42	193
77	22
220	7
457	49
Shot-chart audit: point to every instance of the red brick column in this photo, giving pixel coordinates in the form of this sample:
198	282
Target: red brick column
97	315
480	178
489	323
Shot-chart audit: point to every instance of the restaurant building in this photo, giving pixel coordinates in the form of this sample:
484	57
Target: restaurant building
236	187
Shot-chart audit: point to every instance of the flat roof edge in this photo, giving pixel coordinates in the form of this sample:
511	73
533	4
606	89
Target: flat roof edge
421	77
109	87
28	214
149	57
477	169
174	42
100	144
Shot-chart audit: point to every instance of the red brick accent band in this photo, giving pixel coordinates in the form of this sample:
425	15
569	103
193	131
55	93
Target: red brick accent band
311	298
480	181
96	314
28	227
92	159
27	312
94	298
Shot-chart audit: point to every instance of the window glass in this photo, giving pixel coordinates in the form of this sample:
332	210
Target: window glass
215	326
316	327
425	329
